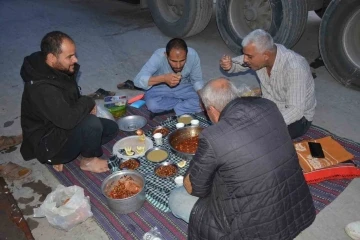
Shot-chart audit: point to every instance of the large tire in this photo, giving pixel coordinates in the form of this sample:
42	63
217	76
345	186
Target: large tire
339	41
286	23
320	12
182	19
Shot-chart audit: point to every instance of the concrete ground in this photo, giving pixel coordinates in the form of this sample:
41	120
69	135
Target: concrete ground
114	39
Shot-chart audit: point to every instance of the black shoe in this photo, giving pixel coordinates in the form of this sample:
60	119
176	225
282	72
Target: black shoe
128	84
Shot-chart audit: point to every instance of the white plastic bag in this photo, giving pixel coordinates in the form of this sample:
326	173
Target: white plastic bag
153	234
102	112
65	207
247	91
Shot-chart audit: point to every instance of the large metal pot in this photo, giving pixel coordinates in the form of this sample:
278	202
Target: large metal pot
180	135
126	205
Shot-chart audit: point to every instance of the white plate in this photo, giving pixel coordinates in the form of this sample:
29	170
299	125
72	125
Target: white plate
133	142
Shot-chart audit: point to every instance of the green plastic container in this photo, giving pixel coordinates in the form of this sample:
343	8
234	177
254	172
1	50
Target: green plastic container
116	105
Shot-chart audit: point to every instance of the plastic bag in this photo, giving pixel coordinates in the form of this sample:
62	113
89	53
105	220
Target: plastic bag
65	207
102	112
116	105
246	91
153	234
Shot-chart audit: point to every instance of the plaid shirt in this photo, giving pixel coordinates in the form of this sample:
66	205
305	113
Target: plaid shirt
290	85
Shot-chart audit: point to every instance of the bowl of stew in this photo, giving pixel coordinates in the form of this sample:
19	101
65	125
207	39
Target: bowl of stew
161	129
166	169
124	191
184	141
130	164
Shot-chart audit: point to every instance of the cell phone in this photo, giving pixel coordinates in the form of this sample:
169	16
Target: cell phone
316	150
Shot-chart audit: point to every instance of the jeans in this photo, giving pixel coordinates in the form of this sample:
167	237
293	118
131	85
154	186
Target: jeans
183	99
181	203
299	128
86	139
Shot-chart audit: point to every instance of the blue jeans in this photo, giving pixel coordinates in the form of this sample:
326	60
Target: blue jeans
181	203
182	98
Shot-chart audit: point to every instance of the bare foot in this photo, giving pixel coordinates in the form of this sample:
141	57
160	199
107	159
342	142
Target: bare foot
95	165
58	167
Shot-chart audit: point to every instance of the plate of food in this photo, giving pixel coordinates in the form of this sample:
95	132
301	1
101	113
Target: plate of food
132	147
131	164
161	129
157	154
185	119
166	169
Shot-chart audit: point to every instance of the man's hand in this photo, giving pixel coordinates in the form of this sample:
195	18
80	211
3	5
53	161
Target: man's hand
187	184
94	110
226	62
172	79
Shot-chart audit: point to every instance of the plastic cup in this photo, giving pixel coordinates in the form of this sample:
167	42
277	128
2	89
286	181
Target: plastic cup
180	125
158	138
194	122
179	181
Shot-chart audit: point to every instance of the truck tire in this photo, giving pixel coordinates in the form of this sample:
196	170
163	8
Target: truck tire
285	20
339	41
181	18
320	12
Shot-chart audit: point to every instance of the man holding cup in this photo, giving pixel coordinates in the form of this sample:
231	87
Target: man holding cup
171	78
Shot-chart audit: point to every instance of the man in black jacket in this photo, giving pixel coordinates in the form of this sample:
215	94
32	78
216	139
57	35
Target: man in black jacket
59	123
245	179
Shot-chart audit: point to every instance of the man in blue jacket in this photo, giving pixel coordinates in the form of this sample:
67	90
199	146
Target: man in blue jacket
171	78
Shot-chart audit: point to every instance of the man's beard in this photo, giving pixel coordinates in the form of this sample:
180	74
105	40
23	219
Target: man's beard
62	69
176	71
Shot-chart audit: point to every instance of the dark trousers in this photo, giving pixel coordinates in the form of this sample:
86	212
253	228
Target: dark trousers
86	139
299	128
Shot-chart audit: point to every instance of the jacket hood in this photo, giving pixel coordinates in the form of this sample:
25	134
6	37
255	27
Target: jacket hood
34	68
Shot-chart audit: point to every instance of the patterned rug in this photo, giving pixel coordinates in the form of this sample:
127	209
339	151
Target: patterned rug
134	225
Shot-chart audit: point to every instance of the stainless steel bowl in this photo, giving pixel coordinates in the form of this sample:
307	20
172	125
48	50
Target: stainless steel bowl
166	164
125	160
126	205
156	148
161	129
131	123
180	135
187	116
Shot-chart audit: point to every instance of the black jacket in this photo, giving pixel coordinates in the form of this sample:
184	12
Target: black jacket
51	106
247	175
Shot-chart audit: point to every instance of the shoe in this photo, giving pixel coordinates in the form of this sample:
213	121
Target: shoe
101	94
9	141
128	84
12	171
353	230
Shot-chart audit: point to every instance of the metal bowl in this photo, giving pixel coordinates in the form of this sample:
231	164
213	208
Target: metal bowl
131	123
125	160
180	135
186	119
166	164
126	205
161	129
154	149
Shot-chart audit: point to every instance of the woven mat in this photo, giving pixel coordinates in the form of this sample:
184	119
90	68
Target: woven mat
158	189
134	225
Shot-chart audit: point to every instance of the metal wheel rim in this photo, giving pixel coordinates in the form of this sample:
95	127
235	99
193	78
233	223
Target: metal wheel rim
171	10
246	16
351	39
